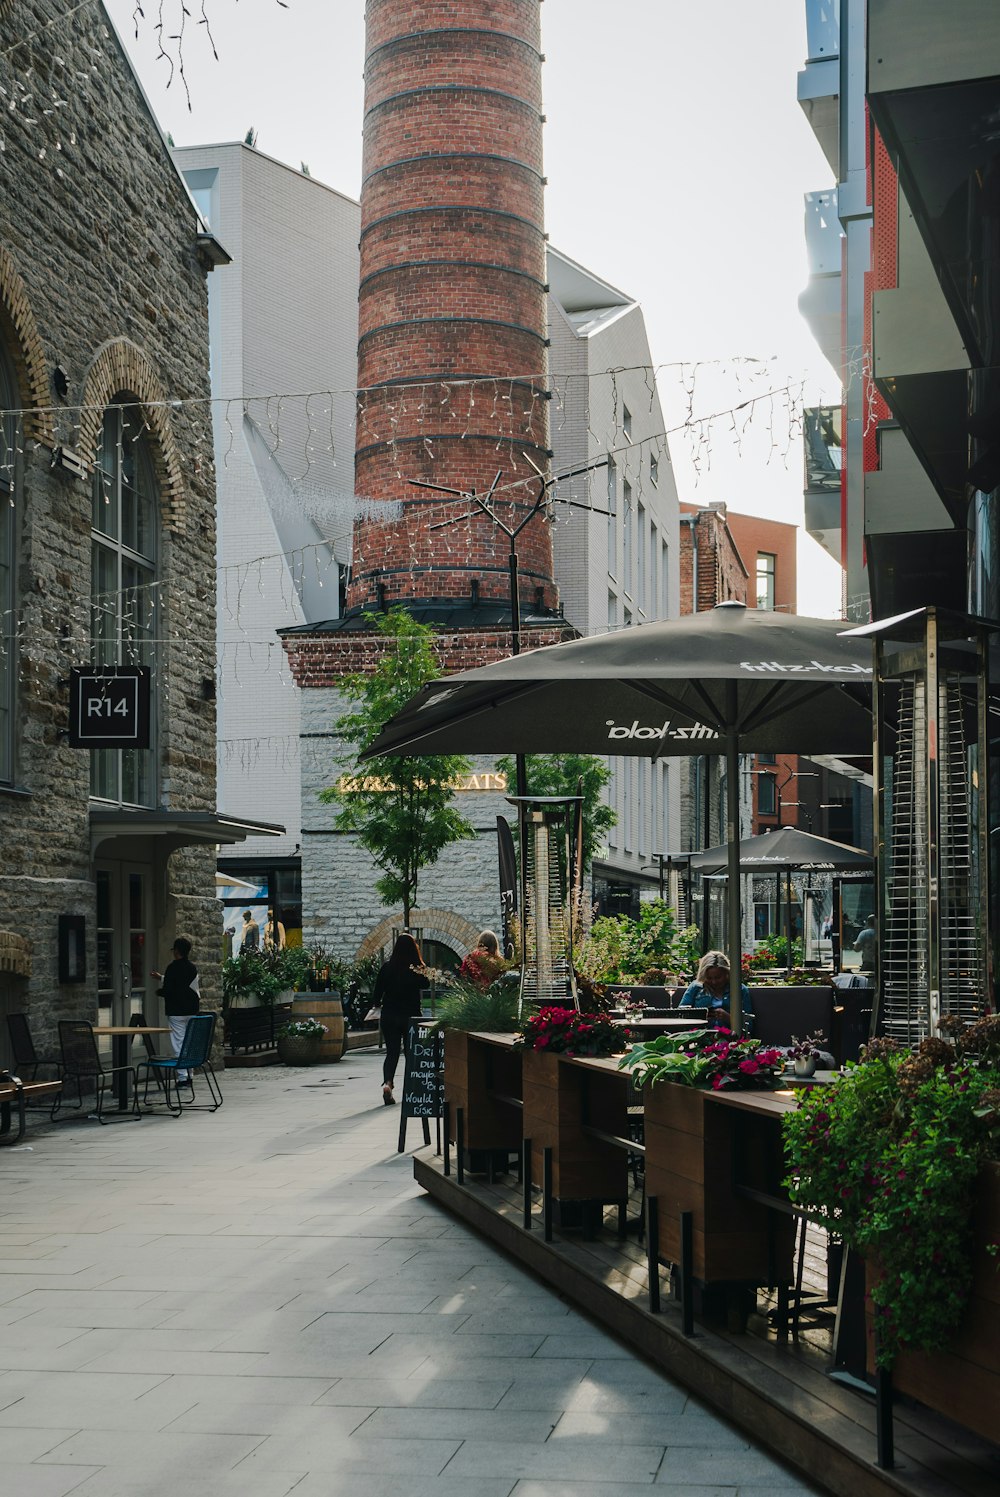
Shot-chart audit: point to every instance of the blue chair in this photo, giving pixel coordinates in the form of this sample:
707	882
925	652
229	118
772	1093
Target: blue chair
195	1055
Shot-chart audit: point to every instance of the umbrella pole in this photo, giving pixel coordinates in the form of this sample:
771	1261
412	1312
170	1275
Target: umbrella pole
733	882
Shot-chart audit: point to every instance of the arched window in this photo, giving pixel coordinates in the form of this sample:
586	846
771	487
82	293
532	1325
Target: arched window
9	508
124	532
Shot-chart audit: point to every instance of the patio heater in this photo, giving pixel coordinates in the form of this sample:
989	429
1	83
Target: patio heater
931	828
547	978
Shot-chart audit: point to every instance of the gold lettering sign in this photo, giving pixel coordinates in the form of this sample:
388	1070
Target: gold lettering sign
489	783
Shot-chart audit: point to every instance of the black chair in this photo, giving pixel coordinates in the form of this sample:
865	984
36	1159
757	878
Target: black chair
81	1062
195	1055
26	1057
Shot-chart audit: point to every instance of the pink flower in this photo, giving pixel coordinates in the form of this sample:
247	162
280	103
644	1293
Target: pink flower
749	1067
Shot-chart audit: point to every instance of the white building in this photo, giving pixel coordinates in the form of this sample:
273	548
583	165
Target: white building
283	324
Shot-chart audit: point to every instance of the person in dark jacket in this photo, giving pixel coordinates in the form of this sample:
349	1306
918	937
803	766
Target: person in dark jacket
181	995
397	992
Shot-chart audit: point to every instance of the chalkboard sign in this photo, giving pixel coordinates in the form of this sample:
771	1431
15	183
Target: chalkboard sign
423	1081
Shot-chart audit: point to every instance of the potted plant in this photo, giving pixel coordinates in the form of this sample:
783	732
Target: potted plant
299	1042
477	1070
691	1164
805	1055
898	1157
563	1031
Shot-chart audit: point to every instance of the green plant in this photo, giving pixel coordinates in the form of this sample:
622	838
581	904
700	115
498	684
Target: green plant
705	1057
258	974
887	1157
619	949
401	807
466	1006
562	1031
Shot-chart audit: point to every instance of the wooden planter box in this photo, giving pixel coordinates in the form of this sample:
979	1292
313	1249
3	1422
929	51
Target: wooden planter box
554	1089
963	1382
478	1071
690	1161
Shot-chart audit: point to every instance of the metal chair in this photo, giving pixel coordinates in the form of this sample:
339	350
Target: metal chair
26	1057
81	1062
194	1056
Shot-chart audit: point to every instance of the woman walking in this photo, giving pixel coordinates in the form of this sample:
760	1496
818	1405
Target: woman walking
397	992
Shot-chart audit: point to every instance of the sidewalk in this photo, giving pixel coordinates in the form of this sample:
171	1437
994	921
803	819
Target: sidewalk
261	1301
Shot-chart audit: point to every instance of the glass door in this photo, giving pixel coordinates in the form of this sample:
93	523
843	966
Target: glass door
124	987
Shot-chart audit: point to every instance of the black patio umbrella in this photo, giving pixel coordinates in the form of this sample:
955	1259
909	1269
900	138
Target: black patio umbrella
785	847
727	681
785	850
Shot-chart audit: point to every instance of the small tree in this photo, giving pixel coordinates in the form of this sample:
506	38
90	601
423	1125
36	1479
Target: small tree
551	774
400	806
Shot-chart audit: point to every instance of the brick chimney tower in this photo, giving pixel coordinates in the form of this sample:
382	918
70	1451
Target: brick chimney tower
452	348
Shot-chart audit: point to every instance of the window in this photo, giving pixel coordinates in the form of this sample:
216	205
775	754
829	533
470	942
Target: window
203	186
641	561
767	795
665	581
627	536
654	469
123	597
612	519
612	611
627	421
9	405
765	580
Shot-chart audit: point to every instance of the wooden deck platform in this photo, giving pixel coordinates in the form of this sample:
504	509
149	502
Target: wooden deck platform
777	1390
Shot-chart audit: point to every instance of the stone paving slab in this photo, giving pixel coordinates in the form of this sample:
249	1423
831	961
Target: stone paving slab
261	1301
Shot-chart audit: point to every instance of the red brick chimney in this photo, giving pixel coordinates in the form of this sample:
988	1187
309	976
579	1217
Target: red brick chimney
452	291
452	348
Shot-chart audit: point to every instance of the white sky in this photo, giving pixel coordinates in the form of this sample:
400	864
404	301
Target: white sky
677	160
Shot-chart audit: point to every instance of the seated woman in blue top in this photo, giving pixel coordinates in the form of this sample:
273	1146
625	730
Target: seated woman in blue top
710	990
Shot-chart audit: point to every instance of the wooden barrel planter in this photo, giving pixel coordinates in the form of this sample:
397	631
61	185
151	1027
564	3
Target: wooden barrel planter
327	1009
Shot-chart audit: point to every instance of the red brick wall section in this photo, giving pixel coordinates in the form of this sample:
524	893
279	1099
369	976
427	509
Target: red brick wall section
452	362
721	574
778	539
322	660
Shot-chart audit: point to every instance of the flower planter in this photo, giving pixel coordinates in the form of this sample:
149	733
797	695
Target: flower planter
327	1010
963	1381
478	1071
691	1140
585	1171
298	1049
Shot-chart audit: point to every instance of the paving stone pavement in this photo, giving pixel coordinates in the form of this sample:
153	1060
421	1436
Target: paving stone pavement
261	1301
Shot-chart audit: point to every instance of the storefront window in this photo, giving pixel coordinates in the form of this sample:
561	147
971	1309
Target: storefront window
123	592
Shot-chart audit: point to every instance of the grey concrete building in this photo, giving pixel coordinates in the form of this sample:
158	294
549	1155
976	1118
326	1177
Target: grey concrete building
107	531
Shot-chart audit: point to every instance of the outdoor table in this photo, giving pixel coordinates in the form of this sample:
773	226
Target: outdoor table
120	1034
649	1028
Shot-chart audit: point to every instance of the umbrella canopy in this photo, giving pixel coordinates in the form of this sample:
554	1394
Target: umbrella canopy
781	683
727	681
786	847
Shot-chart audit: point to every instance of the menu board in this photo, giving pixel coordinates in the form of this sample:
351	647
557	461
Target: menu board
423	1082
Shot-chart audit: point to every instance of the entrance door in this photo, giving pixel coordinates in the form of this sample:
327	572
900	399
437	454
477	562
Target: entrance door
124	987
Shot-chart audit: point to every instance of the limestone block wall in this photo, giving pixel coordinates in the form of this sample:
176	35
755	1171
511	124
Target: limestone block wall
101	283
457	897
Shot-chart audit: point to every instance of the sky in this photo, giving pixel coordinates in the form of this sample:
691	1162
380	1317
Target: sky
677	159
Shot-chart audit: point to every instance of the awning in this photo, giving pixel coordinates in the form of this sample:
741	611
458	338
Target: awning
174	829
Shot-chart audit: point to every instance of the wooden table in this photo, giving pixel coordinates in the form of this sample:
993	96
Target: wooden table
120	1034
648	1027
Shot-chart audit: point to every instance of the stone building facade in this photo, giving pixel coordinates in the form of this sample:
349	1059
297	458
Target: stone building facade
107	550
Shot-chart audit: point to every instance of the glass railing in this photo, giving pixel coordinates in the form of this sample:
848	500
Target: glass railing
822	29
823	233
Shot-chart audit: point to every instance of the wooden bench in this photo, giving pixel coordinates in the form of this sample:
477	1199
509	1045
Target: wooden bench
18	1095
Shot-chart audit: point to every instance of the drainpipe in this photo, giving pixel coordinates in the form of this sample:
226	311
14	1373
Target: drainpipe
703	781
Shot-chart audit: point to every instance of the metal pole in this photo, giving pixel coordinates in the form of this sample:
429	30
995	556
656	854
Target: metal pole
520	772
931	747
733	834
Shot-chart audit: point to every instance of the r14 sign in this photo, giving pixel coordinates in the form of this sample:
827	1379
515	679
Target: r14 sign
109	707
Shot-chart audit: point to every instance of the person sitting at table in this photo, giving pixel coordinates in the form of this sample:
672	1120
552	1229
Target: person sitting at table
710	990
181	994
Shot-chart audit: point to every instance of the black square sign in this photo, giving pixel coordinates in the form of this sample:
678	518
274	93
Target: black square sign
109	706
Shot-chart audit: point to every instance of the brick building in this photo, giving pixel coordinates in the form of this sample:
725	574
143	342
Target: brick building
107	530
